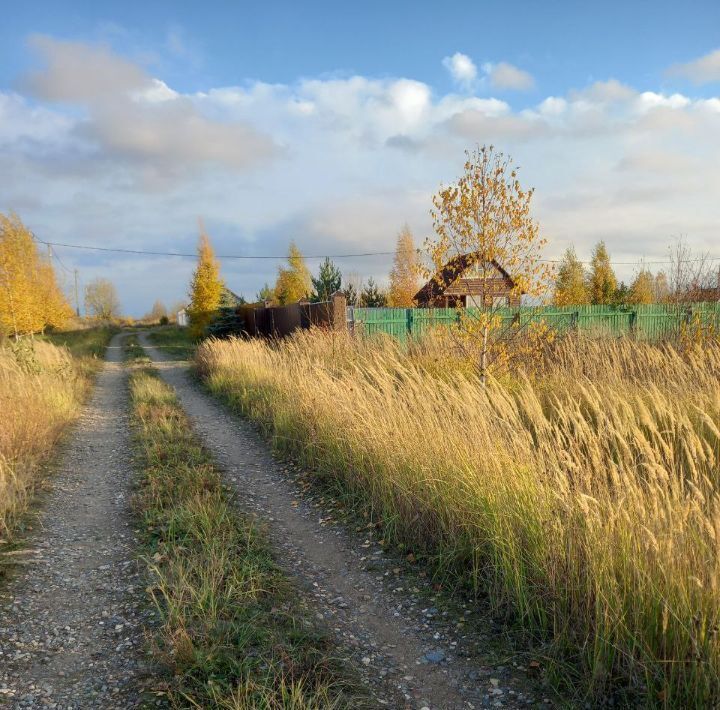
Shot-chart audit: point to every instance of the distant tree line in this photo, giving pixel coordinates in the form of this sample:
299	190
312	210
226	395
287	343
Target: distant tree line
295	282
688	277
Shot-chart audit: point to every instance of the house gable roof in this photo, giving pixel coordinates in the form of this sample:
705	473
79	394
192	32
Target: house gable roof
451	272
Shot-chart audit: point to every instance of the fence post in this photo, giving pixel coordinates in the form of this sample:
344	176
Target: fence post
633	323
409	321
575	321
339	311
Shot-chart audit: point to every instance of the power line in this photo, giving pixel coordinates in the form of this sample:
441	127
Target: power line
219	256
53	254
60	261
332	256
144	252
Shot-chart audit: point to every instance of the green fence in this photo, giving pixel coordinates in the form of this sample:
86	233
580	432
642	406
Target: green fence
653	322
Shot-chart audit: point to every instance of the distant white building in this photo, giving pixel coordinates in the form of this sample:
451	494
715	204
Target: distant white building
182	318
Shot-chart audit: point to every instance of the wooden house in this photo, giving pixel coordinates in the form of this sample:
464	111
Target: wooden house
462	283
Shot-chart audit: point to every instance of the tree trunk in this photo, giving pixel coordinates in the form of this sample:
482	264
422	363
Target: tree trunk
484	354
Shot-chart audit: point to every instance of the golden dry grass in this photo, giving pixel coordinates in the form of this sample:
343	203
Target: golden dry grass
42	387
583	497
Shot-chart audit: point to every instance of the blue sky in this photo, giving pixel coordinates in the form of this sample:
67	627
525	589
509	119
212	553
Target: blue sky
121	123
567	44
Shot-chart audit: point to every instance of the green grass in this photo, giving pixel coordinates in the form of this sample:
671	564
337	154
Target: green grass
234	633
87	342
174	341
133	352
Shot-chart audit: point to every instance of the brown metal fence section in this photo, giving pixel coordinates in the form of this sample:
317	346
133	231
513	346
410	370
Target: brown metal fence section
279	321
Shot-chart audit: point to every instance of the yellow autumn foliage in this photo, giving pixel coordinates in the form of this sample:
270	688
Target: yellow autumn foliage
30	297
205	289
404	275
582	495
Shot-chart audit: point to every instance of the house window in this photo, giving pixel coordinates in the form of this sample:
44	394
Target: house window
500	301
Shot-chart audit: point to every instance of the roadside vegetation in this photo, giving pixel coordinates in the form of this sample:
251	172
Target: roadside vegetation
43	384
580	496
234	632
86	344
174	341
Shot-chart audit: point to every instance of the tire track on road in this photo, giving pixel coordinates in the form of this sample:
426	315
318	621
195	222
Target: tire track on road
406	664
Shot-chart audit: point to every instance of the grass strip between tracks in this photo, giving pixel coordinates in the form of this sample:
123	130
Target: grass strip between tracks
234	631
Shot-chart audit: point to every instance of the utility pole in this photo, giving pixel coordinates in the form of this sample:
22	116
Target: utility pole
77	300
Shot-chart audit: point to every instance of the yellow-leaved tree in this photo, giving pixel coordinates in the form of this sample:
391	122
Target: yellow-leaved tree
54	309
602	283
642	290
570	286
30	298
484	223
294	282
205	289
404	274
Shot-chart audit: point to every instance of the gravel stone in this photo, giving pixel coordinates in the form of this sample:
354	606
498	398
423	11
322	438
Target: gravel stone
380	615
58	648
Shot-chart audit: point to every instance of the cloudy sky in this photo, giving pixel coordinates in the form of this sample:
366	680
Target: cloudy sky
122	123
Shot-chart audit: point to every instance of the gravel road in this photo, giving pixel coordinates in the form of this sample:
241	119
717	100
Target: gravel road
410	654
72	617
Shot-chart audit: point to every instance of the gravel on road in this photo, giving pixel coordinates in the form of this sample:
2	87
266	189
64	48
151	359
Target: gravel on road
72	617
409	653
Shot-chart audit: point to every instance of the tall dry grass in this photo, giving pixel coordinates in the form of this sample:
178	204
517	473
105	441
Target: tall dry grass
42	387
582	497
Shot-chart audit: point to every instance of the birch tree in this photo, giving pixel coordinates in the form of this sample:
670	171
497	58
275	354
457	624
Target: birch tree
294	282
404	274
570	287
101	300
486	218
30	297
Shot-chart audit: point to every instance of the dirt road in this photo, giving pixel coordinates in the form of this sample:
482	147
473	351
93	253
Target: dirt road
71	619
410	654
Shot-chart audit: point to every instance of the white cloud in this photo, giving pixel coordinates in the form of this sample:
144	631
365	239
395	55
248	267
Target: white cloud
553	106
649	100
507	76
156	92
132	116
77	71
36	125
462	69
605	92
703	70
502	76
337	163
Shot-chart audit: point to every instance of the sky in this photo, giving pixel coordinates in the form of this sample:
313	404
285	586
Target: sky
122	124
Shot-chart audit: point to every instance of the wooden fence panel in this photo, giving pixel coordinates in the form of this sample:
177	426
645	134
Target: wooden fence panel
392	321
652	322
